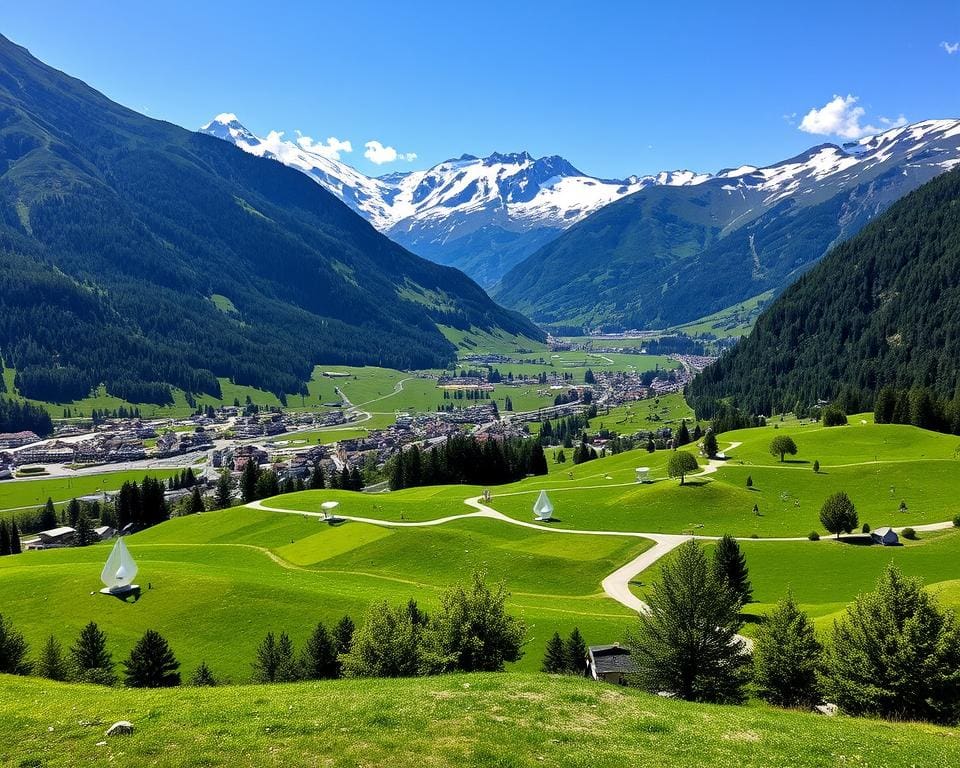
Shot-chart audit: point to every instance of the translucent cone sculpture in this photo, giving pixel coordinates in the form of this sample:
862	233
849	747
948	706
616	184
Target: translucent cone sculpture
542	507
119	572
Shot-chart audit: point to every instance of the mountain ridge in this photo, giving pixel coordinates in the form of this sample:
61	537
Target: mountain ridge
630	264
480	214
117	230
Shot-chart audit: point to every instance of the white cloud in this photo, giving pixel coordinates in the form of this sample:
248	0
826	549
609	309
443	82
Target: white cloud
950	48
841	117
330	149
379	154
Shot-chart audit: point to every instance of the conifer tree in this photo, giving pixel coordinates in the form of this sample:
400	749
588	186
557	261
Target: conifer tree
576	651
15	546
683	434
730	566
91	659
248	481
48	516
555	657
317	480
224	494
73	513
356	480
5	545
786	656
13	650
151	663
85	535
318	660
53	662
196	501
687	642
896	654
838	515
202	676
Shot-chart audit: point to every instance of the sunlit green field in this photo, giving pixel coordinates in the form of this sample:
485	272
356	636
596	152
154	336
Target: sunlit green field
34	493
215	583
481	720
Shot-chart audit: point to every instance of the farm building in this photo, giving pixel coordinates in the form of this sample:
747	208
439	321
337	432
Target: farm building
609	663
885	536
55	537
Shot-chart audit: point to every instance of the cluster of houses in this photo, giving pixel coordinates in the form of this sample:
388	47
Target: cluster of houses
64	536
17	439
178	443
6	465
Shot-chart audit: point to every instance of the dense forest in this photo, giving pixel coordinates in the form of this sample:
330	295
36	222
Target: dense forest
464	459
142	256
880	313
16	416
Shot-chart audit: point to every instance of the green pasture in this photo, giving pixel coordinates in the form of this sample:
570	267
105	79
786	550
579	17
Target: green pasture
484	720
219	581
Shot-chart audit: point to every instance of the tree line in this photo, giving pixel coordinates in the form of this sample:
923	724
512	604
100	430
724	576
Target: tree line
471	631
464	459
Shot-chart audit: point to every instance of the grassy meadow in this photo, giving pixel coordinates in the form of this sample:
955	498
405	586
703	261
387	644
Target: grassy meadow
26	494
483	721
219	581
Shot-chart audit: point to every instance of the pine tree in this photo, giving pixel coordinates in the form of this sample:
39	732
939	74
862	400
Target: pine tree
687	642
224	495
202	676
683	434
576	651
248	481
151	663
318	660
538	460
53	662
919	677
267	484
73	513
85	535
48	516
786	656
317	480
5	546
345	478
15	547
343	635
275	661
710	444
91	659
356	480
13	650
555	657
196	501
730	566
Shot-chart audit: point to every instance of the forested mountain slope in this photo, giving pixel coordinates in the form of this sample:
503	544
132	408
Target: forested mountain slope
667	255
880	311
140	255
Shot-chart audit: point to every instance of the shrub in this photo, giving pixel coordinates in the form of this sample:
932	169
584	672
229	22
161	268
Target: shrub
813	536
956	522
749	481
865	528
834	417
816	465
909	533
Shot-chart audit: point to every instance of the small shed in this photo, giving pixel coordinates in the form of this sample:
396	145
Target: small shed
609	663
885	536
643	474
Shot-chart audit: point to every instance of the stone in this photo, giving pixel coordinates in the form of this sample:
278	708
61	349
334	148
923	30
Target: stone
828	709
120	728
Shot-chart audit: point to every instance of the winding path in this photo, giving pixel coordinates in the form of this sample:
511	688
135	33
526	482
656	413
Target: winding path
617	584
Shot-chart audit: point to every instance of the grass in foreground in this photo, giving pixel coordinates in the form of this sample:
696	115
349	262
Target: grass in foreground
491	720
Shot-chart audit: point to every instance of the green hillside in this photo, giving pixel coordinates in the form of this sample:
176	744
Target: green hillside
142	256
484	721
666	256
881	309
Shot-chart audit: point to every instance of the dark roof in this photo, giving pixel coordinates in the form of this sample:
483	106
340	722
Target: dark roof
611	658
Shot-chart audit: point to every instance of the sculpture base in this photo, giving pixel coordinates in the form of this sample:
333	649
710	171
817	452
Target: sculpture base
121	592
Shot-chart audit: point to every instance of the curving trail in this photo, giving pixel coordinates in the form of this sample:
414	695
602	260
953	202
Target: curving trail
617	584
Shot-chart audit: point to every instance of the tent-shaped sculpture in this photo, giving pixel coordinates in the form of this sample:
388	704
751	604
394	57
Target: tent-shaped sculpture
119	572
542	508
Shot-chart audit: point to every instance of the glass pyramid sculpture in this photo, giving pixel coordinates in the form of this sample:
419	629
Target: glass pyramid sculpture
542	507
120	570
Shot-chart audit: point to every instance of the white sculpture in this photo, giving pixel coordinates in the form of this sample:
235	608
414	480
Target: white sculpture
542	508
119	572
329	508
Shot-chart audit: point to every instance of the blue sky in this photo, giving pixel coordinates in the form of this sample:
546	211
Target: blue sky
615	87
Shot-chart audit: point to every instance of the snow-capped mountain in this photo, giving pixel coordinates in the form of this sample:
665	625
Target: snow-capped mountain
668	255
480	214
